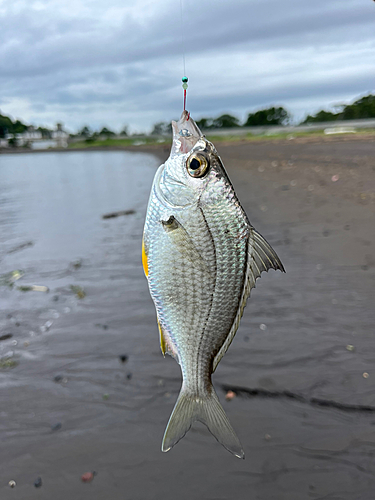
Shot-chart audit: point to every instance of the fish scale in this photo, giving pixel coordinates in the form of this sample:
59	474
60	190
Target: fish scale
201	258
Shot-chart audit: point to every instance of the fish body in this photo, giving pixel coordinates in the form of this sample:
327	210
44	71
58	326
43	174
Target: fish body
201	257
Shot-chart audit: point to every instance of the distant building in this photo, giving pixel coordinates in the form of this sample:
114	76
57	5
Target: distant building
30	135
34	139
60	136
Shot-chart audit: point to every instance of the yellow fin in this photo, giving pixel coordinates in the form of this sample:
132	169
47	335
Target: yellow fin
144	259
163	345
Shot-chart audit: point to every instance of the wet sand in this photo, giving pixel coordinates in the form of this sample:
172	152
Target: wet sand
301	365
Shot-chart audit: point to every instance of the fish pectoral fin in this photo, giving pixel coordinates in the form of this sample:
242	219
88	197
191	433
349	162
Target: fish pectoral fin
184	243
260	257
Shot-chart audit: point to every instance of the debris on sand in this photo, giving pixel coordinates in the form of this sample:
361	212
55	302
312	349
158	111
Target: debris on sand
101	325
230	395
7	362
112	215
38	482
77	264
21	247
56	427
87	477
33	288
8	279
123	358
47	325
78	290
12	483
6	336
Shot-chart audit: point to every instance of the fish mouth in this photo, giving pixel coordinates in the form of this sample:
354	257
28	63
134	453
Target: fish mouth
186	134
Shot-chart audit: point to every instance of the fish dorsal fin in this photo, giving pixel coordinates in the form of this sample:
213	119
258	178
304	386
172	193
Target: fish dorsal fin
260	257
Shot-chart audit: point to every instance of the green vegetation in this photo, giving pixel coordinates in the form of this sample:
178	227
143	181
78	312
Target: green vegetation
273	136
270	116
129	141
162	128
9	127
223	121
7	363
361	108
78	291
105	131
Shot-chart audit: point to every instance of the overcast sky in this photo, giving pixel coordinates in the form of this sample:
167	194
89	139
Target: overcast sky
112	63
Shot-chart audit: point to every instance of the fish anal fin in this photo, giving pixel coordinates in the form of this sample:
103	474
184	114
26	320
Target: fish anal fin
260	257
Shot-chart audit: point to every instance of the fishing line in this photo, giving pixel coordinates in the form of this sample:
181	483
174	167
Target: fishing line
184	78
182	36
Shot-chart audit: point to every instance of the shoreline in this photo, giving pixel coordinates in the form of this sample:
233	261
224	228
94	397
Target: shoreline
92	391
162	150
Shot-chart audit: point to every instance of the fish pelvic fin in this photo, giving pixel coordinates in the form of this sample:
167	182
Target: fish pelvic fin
144	258
163	344
208	410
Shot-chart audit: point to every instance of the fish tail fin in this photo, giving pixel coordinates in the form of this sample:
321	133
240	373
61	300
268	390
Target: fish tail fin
208	410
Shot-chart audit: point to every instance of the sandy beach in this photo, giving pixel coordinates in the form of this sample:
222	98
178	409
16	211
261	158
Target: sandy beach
92	391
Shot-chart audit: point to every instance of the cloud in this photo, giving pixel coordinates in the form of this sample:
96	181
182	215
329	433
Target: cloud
88	62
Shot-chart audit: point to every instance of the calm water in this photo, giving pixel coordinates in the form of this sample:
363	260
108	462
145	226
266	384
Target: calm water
56	201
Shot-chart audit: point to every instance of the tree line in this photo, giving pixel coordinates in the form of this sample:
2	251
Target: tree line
360	109
268	116
8	126
363	107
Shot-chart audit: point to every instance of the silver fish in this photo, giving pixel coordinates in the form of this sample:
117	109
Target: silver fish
201	257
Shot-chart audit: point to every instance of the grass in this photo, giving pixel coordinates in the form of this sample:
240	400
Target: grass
282	135
149	140
109	143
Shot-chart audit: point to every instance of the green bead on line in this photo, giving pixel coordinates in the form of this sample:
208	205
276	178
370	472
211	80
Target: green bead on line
184	86
185	79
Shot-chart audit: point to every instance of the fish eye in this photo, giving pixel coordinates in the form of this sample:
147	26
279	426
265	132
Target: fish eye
197	165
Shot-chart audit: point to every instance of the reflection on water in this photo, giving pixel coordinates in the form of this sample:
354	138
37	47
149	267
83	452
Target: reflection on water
56	201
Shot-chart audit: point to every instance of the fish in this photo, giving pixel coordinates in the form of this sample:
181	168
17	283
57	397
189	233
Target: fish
201	257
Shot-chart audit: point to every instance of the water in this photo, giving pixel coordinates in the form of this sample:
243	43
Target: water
56	201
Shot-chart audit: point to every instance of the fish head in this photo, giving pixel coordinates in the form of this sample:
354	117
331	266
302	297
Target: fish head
192	167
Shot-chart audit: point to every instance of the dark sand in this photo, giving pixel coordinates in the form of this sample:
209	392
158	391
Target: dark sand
304	410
